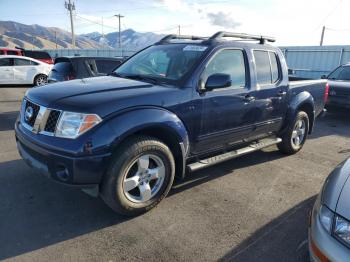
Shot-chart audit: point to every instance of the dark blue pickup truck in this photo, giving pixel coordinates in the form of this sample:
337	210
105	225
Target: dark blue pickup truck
180	105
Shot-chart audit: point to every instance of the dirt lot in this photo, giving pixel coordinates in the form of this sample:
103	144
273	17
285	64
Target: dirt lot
248	209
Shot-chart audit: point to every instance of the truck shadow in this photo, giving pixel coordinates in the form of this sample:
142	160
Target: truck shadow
334	123
36	212
284	237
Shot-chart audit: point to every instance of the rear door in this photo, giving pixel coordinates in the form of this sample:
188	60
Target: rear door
227	115
24	70
270	93
6	71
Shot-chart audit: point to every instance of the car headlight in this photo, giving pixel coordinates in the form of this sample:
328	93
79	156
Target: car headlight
72	125
326	218
342	229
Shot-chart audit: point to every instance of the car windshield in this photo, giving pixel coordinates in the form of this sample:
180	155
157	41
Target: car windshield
165	63
341	73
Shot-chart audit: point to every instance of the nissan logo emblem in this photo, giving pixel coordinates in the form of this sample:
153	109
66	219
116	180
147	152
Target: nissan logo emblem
29	113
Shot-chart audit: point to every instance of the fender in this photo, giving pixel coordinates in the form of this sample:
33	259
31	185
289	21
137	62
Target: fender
136	120
302	100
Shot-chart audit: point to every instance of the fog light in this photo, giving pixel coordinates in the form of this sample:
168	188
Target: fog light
62	173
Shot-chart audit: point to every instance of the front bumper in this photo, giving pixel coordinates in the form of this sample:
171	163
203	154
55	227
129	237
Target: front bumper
81	171
322	244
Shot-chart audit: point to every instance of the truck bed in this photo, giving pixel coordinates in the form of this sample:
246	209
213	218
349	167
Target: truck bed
315	87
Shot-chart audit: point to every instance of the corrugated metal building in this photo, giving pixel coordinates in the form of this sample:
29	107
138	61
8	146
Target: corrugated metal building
315	61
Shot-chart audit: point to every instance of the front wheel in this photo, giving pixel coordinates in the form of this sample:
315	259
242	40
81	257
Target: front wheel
295	136
140	176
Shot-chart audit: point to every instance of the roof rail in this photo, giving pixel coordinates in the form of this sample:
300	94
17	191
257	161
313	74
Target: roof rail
262	39
168	38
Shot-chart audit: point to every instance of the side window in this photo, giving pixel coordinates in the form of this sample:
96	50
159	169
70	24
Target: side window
2	52
21	62
274	67
345	73
267	67
5	62
34	63
262	63
228	62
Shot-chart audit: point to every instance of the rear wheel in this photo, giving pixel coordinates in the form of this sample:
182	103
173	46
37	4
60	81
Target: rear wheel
40	80
139	177
295	136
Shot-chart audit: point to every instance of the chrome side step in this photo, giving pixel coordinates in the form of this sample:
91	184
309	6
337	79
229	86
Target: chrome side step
233	154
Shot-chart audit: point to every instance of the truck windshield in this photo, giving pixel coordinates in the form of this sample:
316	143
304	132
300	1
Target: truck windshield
166	63
341	73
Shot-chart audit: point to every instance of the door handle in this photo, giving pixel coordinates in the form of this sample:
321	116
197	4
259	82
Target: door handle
248	99
281	93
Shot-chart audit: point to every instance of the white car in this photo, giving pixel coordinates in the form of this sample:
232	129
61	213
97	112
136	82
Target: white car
23	70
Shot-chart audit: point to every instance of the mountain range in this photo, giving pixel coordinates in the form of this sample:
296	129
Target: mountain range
36	36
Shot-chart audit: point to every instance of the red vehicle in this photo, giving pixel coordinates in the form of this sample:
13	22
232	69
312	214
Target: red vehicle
10	51
38	55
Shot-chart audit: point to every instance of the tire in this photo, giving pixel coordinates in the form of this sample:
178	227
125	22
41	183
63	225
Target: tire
295	132
129	173
40	80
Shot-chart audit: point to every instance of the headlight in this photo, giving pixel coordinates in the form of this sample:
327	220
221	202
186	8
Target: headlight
326	218
72	125
342	229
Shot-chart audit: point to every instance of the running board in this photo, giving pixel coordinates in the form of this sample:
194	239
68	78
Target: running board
233	154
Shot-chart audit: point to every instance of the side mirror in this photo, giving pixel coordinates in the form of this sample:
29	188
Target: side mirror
218	81
323	76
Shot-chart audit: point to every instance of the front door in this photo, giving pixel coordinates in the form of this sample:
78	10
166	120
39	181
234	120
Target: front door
6	71
227	114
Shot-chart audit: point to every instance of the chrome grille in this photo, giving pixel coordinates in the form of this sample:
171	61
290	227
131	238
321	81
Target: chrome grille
39	119
34	109
52	121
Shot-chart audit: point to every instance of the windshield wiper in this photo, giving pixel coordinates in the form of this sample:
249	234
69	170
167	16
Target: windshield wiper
140	77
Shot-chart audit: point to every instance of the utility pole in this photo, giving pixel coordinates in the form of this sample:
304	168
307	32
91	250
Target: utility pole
71	7
179	29
120	41
322	35
56	39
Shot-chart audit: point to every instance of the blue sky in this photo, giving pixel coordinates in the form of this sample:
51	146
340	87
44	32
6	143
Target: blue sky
297	22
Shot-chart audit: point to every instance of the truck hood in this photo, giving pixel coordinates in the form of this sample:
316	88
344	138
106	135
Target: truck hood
334	185
343	206
101	95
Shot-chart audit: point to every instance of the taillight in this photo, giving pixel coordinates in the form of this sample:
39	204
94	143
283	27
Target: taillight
70	77
326	92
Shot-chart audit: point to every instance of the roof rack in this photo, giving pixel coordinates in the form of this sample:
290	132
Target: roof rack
168	38
217	36
262	39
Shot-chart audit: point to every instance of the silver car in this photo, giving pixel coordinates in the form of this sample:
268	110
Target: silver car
329	232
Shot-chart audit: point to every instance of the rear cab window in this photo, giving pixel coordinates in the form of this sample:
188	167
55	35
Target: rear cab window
341	73
268	69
